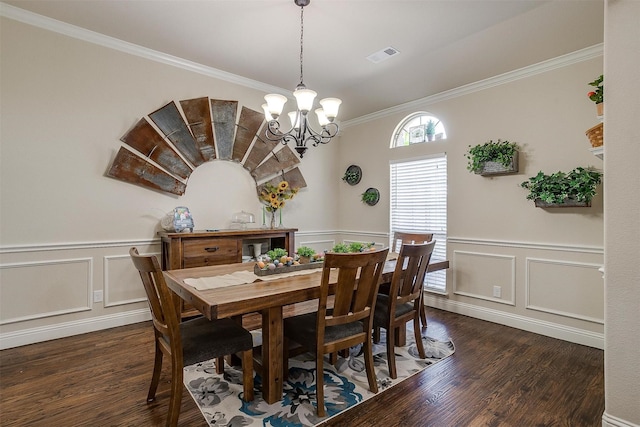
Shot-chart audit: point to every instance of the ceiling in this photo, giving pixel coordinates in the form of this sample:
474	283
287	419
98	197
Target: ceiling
443	44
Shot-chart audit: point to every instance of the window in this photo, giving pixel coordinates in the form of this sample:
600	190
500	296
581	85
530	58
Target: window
419	203
417	128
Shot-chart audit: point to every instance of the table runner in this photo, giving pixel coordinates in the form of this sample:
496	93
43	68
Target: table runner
239	278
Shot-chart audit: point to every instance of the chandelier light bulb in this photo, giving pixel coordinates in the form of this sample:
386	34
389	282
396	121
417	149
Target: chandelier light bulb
294	116
267	114
275	103
330	106
322	117
305	99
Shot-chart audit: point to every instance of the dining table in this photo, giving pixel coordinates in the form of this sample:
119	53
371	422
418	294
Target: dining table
267	295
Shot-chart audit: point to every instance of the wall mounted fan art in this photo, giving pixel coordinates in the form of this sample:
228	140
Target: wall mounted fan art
163	148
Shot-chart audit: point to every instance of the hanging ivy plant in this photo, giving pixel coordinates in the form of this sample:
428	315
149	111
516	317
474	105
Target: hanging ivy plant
558	188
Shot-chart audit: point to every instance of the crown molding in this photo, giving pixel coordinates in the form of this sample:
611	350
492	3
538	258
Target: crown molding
88	36
510	76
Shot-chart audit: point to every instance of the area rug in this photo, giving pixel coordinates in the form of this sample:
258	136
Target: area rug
219	397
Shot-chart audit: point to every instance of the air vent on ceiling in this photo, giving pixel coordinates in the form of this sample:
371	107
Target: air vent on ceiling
383	54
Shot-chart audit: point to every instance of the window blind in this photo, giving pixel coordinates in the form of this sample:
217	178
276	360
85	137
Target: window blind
419	203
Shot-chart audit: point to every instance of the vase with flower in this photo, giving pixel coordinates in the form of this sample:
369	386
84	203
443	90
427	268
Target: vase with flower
274	198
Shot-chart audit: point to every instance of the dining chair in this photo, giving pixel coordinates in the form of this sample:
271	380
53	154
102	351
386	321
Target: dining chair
404	301
402	237
188	342
349	322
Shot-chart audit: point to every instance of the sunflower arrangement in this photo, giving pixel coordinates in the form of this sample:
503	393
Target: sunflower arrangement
274	197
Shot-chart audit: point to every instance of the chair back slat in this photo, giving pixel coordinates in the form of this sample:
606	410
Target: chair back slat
161	302
400	237
356	288
408	276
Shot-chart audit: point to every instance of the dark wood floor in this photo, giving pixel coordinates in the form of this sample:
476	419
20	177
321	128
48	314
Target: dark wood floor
498	376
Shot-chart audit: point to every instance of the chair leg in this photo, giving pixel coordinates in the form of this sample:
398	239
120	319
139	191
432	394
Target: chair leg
155	377
176	394
368	363
220	365
247	374
333	358
391	354
285	359
423	314
320	383
418	336
376	334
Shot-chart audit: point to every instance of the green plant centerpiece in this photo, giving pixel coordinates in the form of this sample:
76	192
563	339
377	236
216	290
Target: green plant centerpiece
277	253
574	188
306	254
340	248
353	247
360	247
493	158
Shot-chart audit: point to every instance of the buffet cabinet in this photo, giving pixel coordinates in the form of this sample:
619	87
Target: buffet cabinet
203	248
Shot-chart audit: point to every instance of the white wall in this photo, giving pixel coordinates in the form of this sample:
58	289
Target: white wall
545	261
622	213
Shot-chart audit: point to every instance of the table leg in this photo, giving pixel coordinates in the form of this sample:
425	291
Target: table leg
401	336
272	354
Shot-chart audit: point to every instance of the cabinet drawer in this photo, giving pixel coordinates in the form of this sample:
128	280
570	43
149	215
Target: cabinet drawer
202	252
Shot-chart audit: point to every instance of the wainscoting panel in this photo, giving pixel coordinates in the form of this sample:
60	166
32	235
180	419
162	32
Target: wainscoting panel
578	295
476	274
122	284
318	245
48	288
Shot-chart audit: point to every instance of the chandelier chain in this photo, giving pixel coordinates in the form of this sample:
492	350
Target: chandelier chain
301	42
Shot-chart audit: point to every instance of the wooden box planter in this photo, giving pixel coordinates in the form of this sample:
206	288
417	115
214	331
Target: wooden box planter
568	203
497	168
287	269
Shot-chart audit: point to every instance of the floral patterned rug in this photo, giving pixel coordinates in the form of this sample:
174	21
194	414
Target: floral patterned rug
219	396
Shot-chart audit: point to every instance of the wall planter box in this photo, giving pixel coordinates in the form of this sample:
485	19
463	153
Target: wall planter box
497	168
568	203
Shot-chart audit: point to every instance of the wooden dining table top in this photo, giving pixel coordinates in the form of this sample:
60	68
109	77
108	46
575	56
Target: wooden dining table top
236	300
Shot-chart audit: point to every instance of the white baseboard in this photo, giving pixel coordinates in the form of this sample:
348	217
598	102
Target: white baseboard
67	329
554	330
611	421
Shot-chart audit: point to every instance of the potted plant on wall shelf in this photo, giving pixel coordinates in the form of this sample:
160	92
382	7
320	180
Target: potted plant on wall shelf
573	189
597	95
493	158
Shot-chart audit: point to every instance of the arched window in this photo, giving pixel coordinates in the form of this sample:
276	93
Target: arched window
416	128
419	190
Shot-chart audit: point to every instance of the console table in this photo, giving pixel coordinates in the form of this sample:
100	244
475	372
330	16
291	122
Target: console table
204	248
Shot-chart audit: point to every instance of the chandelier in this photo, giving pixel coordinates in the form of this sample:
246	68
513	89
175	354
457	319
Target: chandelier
301	132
